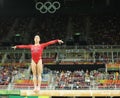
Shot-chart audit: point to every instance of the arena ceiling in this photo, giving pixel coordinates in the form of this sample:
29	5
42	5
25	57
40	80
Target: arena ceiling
27	7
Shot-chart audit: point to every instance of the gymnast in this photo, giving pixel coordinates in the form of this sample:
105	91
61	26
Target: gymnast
36	60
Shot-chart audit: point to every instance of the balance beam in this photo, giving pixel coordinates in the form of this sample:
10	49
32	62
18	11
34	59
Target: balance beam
71	93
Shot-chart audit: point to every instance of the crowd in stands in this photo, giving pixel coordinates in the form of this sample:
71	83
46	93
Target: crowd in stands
13	57
105	29
77	79
54	26
78	23
8	74
101	29
80	79
5	26
5	75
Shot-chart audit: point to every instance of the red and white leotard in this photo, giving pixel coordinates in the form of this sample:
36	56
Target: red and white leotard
36	50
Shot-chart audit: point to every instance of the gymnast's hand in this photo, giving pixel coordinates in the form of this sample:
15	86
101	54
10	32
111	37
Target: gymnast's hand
14	47
60	41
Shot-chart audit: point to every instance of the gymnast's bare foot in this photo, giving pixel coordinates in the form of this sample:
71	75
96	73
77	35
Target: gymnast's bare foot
38	89
35	89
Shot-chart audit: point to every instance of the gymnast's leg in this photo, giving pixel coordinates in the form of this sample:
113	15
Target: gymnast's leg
39	73
33	66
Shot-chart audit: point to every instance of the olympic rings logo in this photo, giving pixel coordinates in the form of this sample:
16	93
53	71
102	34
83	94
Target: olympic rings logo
47	7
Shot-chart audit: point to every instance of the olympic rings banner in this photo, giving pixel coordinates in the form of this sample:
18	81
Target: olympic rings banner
49	7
